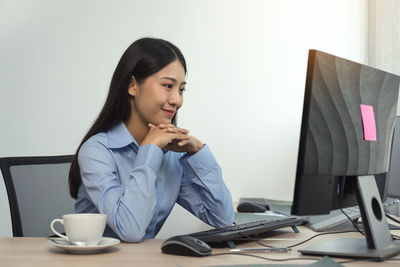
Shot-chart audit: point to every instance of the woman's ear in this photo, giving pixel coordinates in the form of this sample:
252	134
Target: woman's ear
132	86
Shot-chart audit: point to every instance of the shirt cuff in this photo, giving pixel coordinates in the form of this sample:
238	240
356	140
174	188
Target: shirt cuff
199	163
149	155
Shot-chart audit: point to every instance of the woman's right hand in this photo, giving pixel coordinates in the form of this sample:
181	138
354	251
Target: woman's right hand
161	136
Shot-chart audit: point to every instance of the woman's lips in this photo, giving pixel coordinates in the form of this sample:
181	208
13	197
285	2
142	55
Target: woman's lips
170	113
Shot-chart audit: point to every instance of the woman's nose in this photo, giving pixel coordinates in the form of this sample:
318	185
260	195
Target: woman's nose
174	97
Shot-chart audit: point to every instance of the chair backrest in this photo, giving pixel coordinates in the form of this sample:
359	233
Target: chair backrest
38	192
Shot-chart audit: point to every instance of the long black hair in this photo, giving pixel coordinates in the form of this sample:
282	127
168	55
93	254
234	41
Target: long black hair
141	59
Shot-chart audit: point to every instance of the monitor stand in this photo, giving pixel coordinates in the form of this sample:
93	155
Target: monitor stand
378	243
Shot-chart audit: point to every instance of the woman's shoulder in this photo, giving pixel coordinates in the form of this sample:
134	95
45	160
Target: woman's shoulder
95	148
95	155
95	144
97	139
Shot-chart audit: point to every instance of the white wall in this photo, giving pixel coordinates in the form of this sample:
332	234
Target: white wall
384	36
246	61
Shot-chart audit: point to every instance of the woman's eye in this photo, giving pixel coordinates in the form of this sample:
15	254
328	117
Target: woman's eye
182	90
169	86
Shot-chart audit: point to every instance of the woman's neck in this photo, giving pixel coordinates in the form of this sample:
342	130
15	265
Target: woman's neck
137	129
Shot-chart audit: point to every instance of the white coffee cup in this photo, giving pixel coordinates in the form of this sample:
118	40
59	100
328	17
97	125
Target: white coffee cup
82	228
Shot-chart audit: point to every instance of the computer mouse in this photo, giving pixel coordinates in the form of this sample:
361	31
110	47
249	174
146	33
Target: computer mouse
251	207
185	245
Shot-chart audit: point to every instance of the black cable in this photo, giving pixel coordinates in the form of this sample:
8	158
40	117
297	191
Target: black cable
395	237
387	213
257	241
391	217
355	225
328	233
302	242
264	258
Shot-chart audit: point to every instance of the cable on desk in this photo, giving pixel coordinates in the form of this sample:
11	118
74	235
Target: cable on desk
355	225
263	258
327	233
256	240
291	246
320	234
297	244
387	213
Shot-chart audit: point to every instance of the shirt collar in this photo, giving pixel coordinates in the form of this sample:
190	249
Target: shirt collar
119	136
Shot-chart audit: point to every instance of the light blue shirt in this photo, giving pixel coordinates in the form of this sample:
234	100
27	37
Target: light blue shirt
138	186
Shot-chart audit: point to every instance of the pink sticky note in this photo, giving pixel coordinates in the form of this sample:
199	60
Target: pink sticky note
368	119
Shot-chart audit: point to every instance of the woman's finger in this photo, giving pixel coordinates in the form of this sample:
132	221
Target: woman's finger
177	130
179	136
183	142
180	130
173	128
163	126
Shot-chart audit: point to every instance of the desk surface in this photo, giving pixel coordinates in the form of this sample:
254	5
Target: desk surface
18	251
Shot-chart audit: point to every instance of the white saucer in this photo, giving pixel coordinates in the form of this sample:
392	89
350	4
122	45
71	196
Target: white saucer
104	243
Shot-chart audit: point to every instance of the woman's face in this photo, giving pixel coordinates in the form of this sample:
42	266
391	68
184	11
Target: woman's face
159	96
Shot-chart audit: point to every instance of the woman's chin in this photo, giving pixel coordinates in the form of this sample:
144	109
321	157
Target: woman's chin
164	121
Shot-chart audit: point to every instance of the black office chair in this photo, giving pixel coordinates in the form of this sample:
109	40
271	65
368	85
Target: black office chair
38	192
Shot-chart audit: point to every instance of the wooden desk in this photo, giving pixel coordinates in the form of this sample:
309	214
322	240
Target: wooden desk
27	251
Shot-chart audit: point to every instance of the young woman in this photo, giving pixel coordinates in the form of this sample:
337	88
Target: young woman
134	163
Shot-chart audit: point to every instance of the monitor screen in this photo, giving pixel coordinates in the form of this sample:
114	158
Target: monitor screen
347	128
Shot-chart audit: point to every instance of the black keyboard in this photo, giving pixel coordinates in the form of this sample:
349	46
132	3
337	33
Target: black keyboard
251	229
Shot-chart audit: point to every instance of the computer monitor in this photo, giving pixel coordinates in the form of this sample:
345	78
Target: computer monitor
345	140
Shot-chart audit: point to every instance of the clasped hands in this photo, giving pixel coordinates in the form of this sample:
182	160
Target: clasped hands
172	138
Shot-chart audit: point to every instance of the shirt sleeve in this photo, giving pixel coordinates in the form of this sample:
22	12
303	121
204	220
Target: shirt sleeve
129	207
203	191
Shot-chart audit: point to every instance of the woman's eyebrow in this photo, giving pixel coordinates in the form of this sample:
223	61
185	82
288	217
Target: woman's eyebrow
173	80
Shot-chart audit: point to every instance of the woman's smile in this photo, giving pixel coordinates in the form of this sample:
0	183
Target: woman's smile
169	112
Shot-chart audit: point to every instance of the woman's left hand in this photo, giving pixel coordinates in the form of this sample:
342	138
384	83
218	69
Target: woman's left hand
187	143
